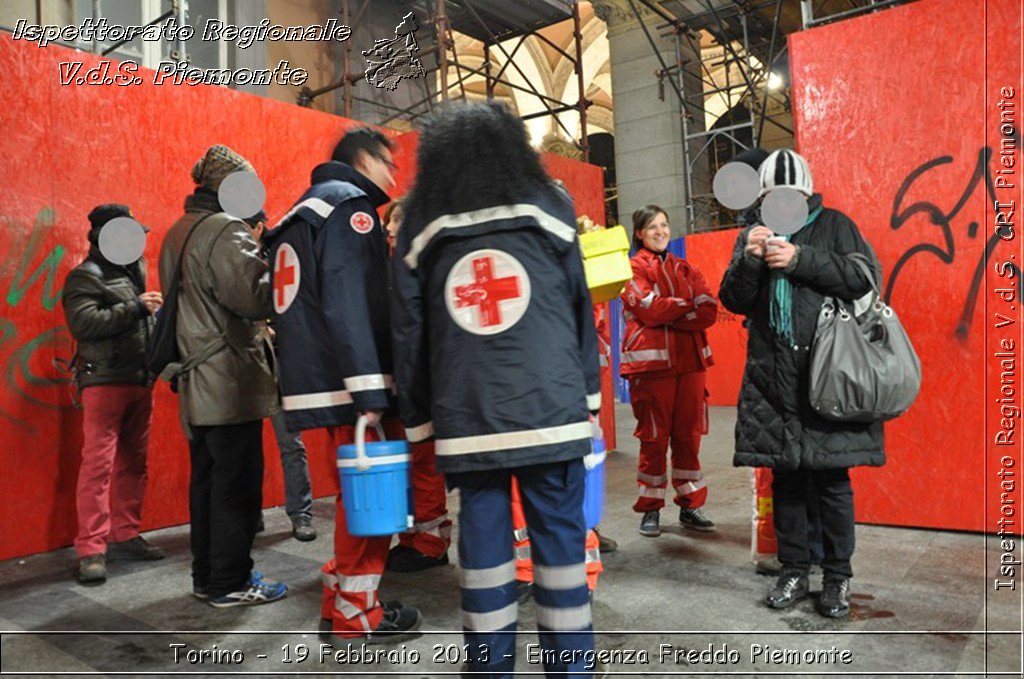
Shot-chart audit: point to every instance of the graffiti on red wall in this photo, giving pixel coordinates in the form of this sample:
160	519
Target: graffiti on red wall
30	276
980	179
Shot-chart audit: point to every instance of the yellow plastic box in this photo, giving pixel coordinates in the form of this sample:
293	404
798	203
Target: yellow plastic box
606	262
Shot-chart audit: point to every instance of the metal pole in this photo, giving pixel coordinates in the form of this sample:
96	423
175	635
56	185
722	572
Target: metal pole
681	88
182	7
750	70
487	71
95	17
806	12
882	4
582	102
771	61
441	26
346	57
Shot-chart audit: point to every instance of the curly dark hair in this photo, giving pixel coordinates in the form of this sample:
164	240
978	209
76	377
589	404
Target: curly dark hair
473	156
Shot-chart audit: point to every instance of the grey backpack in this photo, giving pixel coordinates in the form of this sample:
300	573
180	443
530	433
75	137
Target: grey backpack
863	366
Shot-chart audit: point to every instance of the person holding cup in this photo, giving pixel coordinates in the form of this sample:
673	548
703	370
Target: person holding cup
779	281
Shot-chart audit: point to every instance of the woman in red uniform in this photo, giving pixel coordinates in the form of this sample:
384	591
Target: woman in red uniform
665	353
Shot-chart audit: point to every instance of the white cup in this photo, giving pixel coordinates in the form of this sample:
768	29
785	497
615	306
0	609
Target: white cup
772	243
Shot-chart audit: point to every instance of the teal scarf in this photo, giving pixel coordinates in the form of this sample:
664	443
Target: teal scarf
781	309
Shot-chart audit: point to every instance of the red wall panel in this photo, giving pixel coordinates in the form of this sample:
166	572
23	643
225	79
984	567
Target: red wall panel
895	112
67	149
710	253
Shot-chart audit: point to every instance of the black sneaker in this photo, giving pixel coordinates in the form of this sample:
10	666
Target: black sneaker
403	559
834	601
137	548
302	529
650	524
91	569
398	624
696	519
788	590
605	544
326	626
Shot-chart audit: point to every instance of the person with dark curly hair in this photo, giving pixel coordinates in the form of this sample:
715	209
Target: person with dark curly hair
496	357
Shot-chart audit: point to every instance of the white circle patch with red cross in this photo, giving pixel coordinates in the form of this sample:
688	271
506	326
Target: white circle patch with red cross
287	274
361	222
487	292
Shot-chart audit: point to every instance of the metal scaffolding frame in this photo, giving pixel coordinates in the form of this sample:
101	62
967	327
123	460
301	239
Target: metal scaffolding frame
437	15
720	23
700	206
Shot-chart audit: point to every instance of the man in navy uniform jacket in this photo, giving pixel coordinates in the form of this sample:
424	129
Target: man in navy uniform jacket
329	257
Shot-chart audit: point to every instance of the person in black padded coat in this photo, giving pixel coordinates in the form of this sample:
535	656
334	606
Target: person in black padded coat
779	287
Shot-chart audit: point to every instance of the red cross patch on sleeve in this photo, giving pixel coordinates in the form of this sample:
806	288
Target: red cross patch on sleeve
361	222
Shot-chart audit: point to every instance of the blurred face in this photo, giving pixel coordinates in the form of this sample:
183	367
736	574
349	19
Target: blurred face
379	167
392	225
655	235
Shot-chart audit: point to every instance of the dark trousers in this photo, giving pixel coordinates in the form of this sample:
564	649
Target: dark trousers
796	491
225	495
552	497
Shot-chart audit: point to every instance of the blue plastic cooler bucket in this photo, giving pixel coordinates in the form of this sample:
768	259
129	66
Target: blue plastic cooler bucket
593	486
374	484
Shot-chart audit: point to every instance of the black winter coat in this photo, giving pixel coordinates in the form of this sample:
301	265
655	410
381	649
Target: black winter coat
104	315
776	426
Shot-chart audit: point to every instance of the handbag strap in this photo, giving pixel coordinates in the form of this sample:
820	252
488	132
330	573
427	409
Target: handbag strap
865	265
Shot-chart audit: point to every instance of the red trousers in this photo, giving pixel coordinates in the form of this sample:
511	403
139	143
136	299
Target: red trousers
432	530
350	579
669	410
115	440
521	543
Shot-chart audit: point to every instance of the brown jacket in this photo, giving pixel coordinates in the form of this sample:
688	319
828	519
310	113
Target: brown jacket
225	295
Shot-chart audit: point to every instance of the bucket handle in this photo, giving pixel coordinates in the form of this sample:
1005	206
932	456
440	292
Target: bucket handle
362	461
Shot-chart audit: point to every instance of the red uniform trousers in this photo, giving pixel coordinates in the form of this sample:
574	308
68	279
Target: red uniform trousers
669	408
351	578
521	543
431	533
112	477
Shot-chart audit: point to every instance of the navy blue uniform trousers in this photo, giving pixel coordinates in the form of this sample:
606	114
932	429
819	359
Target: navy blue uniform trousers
552	497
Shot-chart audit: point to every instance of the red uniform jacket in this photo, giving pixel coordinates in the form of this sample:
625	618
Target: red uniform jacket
667	306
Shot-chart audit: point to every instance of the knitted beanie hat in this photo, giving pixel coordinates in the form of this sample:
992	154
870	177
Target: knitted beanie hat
217	163
786	169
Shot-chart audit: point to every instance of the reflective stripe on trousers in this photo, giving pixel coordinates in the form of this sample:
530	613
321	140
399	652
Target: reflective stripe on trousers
488	561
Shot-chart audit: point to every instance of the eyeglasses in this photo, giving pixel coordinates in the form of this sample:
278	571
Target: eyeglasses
390	163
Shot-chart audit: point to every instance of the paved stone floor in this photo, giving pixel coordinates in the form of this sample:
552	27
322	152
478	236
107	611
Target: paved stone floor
922	601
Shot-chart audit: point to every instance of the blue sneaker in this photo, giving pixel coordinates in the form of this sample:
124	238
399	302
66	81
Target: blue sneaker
258	591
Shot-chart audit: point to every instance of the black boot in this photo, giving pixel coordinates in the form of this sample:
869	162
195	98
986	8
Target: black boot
788	590
835	599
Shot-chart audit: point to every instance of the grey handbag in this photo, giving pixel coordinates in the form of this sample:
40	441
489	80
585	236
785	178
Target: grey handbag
863	366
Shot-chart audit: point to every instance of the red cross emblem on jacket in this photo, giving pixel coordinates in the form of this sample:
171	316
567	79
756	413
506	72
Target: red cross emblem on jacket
287	274
487	292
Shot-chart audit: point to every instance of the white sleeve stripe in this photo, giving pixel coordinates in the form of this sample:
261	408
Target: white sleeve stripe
368	382
594	401
419	433
317	205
